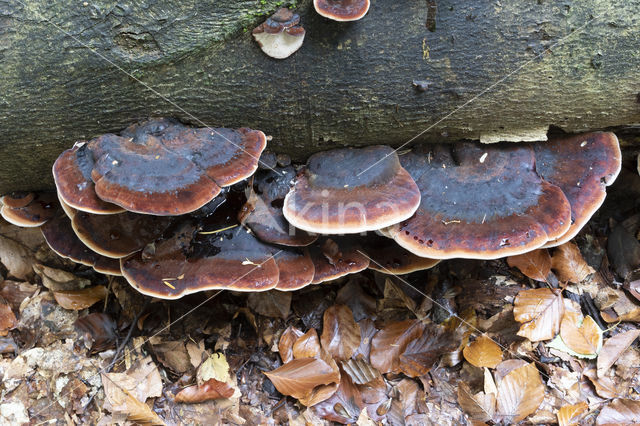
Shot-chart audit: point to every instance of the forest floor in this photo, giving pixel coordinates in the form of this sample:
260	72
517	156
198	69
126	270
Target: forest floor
547	337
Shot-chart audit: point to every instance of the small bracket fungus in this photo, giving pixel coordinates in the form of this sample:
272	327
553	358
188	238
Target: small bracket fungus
28	210
336	257
158	167
262	213
280	36
334	195
342	10
296	269
480	202
388	257
118	235
582	166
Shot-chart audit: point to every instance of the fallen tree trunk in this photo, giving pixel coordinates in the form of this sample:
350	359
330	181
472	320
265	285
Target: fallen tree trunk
491	71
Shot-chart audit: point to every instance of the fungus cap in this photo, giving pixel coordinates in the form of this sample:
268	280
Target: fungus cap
582	166
186	262
34	210
296	269
262	213
72	176
342	10
480	202
280	36
334	194
386	256
118	235
336	257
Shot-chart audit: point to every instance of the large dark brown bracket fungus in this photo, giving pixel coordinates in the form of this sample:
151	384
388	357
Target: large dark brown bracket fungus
334	195
188	261
386	256
262	213
158	167
280	36
582	166
28	210
342	10
296	268
480	202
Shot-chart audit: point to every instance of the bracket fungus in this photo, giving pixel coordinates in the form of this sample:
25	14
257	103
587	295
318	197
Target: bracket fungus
28	210
480	202
158	167
333	195
296	269
388	257
281	35
342	10
582	166
336	257
262	213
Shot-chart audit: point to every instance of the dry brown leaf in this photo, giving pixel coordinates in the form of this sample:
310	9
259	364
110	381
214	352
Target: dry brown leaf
569	415
604	386
8	319
360	371
319	394
340	333
569	265
480	407
613	348
540	310
17	258
285	344
172	354
483	352
98	331
520	393
535	264
123	401
585	338
411	347
344	406
209	390
367	331
15	292
620	412
273	303
77	300
307	345
299	377
506	367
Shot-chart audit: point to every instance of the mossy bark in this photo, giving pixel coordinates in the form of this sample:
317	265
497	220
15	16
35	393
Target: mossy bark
497	71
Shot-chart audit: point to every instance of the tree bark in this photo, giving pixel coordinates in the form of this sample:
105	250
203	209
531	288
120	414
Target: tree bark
497	70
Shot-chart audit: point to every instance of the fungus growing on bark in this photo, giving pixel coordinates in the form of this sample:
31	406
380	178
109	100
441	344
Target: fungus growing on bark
262	213
62	240
480	202
280	36
582	166
118	235
334	195
188	261
336	257
72	175
388	257
342	10
28	210
158	167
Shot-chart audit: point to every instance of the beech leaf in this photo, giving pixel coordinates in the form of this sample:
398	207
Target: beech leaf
569	265
483	352
540	310
613	348
340	333
285	344
307	345
570	414
619	412
299	377
584	339
480	406
520	393
209	390
344	406
77	300
535	264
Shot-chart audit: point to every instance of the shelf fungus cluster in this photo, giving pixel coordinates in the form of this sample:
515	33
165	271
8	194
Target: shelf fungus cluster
171	208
